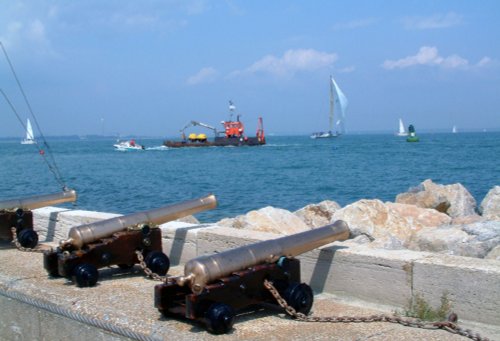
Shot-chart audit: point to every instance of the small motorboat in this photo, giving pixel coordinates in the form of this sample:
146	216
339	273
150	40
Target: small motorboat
128	145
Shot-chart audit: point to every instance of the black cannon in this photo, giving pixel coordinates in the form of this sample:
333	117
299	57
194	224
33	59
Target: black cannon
115	242
215	288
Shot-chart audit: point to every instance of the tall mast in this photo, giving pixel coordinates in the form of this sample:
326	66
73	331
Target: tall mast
331	103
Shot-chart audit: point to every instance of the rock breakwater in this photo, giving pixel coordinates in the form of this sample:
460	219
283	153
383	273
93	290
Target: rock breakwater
429	217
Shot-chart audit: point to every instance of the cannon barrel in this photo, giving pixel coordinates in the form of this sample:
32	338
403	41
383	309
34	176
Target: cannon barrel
200	271
83	234
38	201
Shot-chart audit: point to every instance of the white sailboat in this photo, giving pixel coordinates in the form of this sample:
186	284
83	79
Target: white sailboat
30	137
454	130
401	131
338	105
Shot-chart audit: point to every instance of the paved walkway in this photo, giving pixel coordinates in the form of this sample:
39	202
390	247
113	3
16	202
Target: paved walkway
125	299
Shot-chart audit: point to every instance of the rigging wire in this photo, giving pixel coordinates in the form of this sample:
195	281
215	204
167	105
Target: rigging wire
52	162
52	167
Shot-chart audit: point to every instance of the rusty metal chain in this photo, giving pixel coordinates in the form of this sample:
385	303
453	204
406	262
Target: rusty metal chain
38	249
149	272
445	325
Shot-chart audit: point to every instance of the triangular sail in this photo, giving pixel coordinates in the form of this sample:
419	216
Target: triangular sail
401	127
30	137
29	131
338	106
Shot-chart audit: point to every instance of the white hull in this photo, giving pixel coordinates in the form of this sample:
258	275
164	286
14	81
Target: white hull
323	135
124	146
28	142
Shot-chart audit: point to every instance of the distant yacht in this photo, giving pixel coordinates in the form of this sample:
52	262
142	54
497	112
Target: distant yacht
454	130
338	105
30	138
401	131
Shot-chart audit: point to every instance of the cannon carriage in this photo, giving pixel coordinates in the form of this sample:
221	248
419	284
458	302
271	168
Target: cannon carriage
17	213
215	288
115	241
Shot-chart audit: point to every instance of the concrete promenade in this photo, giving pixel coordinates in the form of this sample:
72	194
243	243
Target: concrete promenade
352	281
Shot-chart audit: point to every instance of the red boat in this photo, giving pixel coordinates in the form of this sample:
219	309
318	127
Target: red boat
233	135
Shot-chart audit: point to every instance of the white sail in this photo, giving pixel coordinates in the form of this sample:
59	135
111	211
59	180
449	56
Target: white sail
454	130
402	131
338	106
30	137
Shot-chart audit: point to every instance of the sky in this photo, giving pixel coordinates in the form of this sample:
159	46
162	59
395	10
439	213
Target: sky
147	67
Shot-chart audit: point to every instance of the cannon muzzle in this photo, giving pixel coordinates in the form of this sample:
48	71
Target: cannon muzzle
84	234
38	201
200	271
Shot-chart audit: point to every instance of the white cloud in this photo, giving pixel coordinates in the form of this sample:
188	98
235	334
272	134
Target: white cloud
134	20
429	56
36	32
436	21
291	62
347	69
484	62
31	33
205	75
195	7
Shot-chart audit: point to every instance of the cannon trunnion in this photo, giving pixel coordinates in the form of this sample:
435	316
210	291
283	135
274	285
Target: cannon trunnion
216	287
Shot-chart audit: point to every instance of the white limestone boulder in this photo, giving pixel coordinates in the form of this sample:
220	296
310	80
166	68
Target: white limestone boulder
494	253
453	200
267	219
471	240
389	225
490	206
317	215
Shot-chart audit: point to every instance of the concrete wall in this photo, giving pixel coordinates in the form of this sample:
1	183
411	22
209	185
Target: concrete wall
18	321
386	277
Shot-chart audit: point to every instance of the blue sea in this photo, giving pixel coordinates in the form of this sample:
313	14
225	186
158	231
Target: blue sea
289	172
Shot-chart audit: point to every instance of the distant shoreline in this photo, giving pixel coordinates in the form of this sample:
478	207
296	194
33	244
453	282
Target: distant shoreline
94	137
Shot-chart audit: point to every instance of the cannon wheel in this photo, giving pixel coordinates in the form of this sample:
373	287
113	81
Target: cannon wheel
28	238
158	262
300	297
220	318
85	275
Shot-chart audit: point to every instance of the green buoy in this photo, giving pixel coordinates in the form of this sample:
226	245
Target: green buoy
412	137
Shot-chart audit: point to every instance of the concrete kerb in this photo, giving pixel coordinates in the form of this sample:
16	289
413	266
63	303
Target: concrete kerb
390	278
386	277
472	285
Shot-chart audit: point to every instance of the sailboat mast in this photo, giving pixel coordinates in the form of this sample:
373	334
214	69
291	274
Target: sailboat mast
331	103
